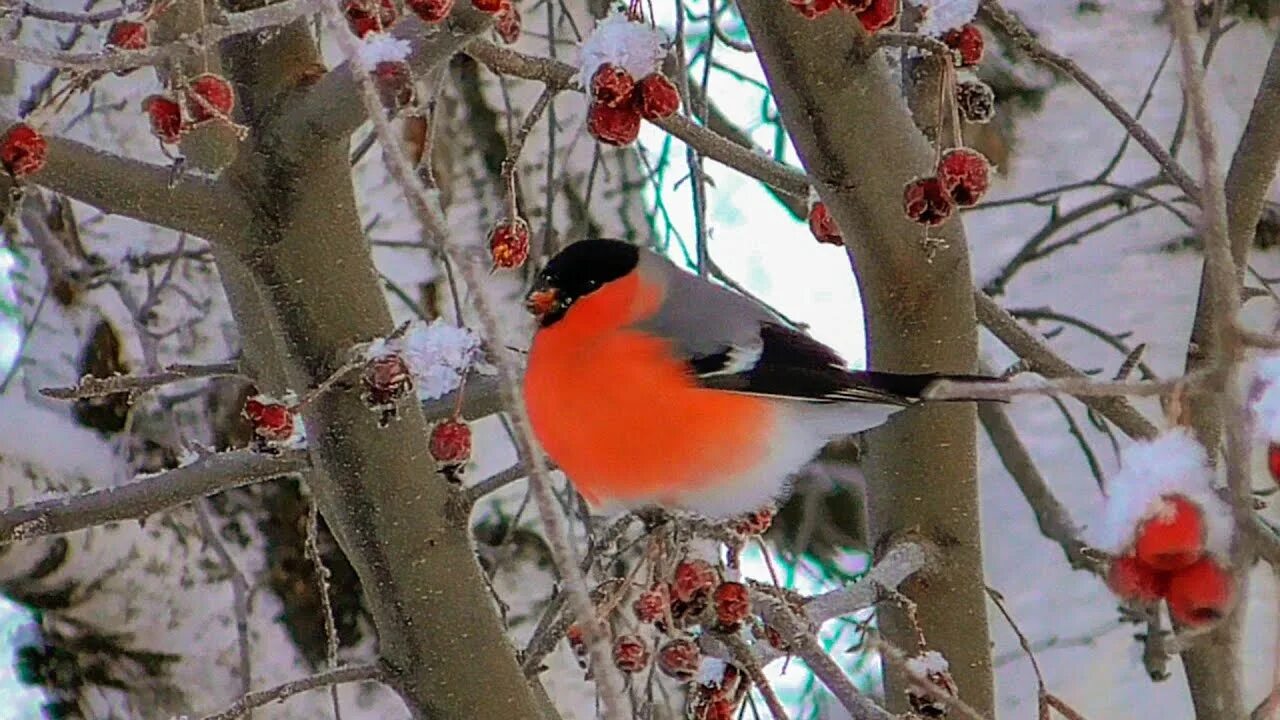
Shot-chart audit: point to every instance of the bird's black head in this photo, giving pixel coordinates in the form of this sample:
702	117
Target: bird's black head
576	271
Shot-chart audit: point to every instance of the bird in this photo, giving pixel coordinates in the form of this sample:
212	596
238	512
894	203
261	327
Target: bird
650	386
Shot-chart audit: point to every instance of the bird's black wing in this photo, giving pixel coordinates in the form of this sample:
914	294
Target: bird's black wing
790	364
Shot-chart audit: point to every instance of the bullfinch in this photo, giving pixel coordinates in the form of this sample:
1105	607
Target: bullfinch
651	386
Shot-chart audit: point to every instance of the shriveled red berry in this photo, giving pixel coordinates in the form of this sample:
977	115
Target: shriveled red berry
209	96
431	11
651	605
658	97
23	150
1273	460
823	226
813	8
613	126
450	442
368	16
927	202
965	174
976	100
713	708
487	6
693	578
612	86
680	659
732	603
754	523
166	117
1199	593
630	653
507	23
128	35
577	643
509	243
879	14
1135	581
272	421
394	81
386	379
1174	538
967	42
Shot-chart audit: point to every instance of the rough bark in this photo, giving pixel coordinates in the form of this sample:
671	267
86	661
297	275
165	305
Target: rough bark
855	137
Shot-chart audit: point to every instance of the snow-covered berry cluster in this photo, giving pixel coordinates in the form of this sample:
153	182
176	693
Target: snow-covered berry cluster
1168	531
432	358
618	65
932	666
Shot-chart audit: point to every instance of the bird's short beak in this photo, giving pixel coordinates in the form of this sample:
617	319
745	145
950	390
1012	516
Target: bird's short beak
541	301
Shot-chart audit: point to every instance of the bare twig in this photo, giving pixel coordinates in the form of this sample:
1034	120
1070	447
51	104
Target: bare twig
239	590
326	605
993	11
89	386
147	495
1081	387
280	693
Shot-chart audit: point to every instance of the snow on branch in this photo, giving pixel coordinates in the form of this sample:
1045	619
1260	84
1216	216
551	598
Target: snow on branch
282	692
146	495
90	386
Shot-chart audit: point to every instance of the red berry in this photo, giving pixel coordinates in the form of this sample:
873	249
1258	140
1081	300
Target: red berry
823	226
386	379
1273	460
509	243
22	150
128	35
879	14
1199	593
507	23
368	16
658	97
612	86
394	80
965	175
166	117
613	126
812	8
680	659
450	442
487	6
713	708
272	421
754	523
630	653
733	604
976	100
1174	538
927	202
1136	581
577	643
693	578
651	605
209	96
967	42
431	11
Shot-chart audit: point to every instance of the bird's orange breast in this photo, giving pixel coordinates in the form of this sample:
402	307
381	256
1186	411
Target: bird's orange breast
622	416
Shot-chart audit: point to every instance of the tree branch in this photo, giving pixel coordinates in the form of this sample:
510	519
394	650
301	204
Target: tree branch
280	693
146	495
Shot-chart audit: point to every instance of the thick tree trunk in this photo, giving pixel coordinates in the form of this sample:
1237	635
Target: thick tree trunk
854	134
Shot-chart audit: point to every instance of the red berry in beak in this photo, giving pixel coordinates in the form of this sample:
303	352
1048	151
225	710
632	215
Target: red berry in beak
1174	538
1200	593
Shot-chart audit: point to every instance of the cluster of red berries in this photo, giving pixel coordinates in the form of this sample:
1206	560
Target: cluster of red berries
273	421
208	97
509	243
962	179
506	17
618	102
874	14
1168	561
966	43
